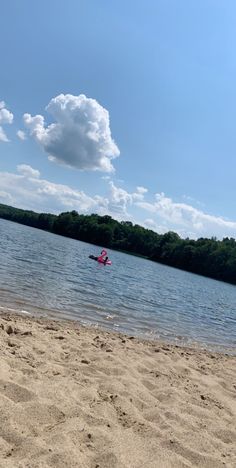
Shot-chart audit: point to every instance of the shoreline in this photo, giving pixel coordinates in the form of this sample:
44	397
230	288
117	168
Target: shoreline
182	342
76	396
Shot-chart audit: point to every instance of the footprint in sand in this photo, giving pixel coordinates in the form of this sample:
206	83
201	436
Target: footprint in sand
107	460
15	392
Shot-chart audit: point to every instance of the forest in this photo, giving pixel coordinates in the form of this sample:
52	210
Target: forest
208	257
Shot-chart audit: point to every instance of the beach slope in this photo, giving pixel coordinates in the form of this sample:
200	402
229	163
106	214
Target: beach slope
76	397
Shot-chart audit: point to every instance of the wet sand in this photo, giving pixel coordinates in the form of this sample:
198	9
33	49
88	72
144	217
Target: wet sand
76	397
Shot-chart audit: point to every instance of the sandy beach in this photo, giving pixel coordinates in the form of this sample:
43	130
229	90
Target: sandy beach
75	397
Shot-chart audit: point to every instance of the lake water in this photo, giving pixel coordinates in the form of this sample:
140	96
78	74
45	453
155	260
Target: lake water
45	274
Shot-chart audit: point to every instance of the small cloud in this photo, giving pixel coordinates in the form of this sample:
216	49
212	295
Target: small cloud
139	194
21	135
3	136
187	198
120	200
6	117
79	137
141	190
150	223
27	171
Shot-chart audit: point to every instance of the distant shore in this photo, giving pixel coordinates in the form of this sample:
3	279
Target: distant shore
73	396
211	258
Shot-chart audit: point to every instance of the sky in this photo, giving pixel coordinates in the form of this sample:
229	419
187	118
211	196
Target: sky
123	108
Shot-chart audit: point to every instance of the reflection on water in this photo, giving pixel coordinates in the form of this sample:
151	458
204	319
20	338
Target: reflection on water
45	274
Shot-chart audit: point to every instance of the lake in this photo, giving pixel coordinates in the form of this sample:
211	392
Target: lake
45	274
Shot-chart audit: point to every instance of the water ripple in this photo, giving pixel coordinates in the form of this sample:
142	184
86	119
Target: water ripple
45	274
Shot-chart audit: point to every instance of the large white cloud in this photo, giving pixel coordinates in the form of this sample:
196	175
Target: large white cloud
79	137
27	189
186	219
6	117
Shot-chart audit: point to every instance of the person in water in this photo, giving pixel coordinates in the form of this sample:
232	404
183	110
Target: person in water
102	258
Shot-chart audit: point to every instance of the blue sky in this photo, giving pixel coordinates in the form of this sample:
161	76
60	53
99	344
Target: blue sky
158	80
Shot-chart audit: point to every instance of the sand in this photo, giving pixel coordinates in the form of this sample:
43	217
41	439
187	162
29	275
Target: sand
72	396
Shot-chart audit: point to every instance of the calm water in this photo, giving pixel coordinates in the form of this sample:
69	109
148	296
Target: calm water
45	274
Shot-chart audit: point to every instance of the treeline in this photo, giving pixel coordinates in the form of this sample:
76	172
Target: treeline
208	257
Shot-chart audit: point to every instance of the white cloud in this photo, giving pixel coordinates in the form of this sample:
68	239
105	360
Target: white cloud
187	198
27	170
3	136
26	189
149	223
6	117
79	137
139	194
187	220
5	197
141	190
21	135
120	200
